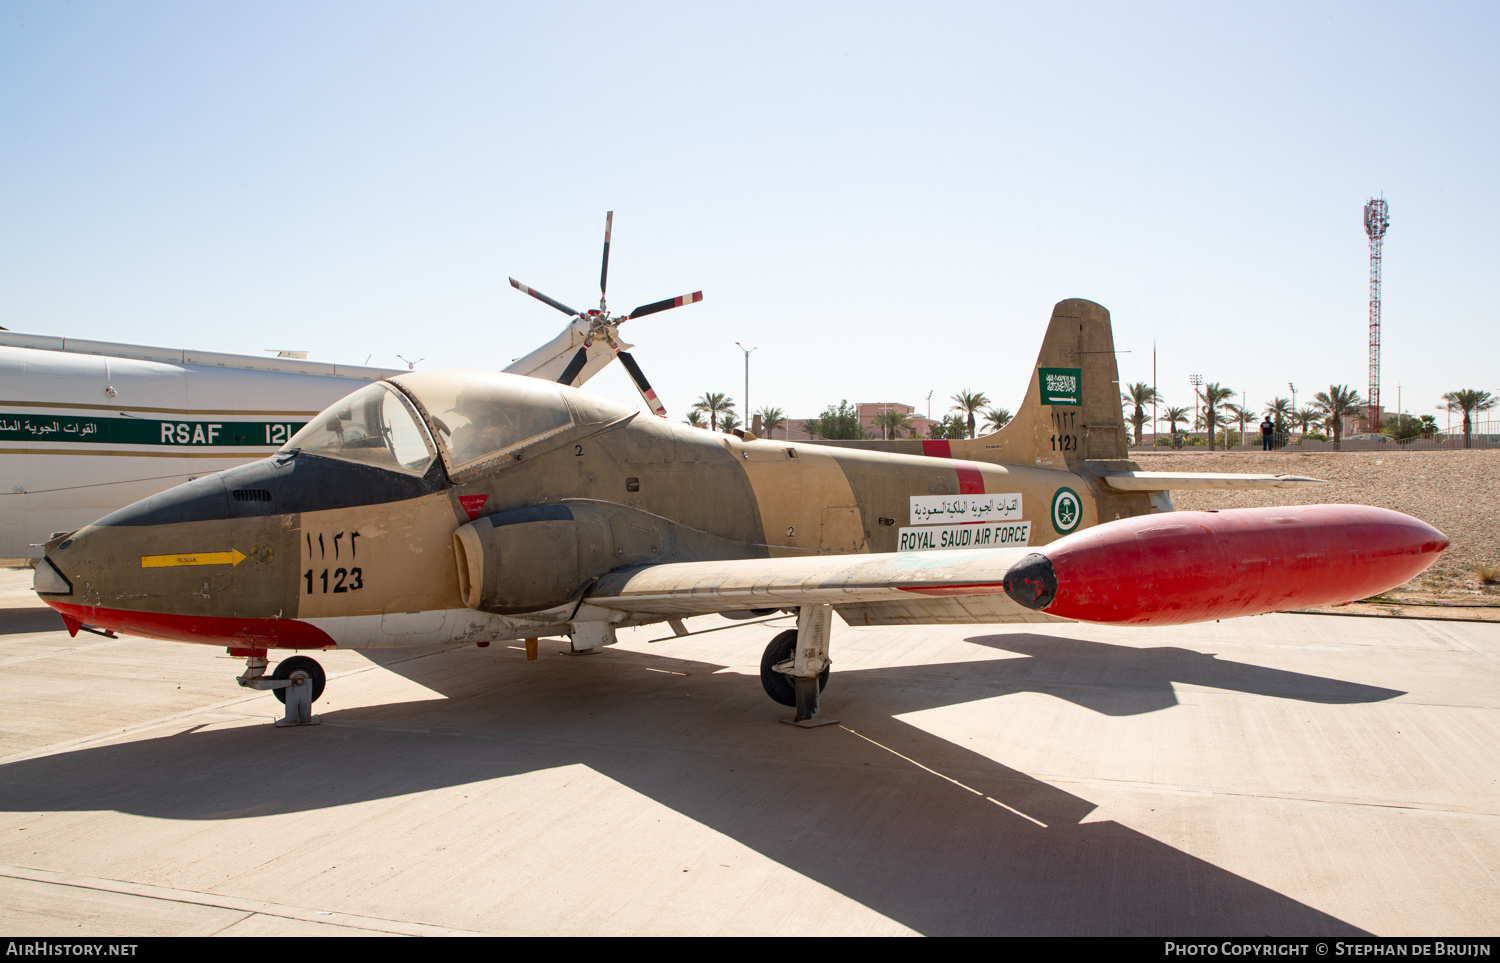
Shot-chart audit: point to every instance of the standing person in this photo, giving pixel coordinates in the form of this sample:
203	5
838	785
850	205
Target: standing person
1267	434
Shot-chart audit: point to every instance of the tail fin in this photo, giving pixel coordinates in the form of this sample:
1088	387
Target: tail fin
1071	412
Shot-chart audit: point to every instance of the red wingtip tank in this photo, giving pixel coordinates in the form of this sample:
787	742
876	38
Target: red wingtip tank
1182	567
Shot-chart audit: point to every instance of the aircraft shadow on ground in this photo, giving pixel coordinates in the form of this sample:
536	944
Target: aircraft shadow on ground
935	856
29	619
1119	680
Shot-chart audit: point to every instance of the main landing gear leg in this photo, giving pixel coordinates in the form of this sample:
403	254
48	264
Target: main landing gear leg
794	669
297	681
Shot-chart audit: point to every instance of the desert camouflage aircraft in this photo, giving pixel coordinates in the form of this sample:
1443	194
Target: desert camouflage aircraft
436	508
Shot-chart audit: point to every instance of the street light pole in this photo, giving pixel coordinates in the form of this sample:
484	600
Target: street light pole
745	408
1195	381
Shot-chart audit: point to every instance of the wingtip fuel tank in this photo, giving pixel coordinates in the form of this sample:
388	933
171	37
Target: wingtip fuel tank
1196	566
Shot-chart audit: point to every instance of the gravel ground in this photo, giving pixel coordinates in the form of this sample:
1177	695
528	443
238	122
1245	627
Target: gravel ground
1457	492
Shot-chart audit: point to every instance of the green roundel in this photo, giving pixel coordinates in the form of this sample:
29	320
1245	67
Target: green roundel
1067	510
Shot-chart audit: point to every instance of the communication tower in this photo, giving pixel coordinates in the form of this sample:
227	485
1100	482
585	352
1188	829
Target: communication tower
1377	219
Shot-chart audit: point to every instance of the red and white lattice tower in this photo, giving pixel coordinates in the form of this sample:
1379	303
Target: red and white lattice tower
1377	219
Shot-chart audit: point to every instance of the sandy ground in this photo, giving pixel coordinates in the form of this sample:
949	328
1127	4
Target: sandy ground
1457	492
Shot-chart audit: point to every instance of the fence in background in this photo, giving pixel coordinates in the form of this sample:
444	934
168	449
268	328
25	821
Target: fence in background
1483	434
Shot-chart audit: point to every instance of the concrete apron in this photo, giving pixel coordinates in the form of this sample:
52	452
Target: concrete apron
1282	775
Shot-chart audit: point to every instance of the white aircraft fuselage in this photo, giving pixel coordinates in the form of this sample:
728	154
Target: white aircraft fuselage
89	426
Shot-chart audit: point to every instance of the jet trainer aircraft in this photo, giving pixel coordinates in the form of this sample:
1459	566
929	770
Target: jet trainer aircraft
435	508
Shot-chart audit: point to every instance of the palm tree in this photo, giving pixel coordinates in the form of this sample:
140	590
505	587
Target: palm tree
1469	400
1241	414
1335	404
952	427
1140	395
1306	416
771	419
715	404
996	418
1279	410
1214	396
1172	416
891	423
969	402
694	418
730	421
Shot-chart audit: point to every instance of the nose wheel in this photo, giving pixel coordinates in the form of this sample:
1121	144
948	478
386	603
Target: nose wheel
297	683
299	670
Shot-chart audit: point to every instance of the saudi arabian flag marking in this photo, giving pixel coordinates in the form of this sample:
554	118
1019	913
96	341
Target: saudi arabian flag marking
1061	386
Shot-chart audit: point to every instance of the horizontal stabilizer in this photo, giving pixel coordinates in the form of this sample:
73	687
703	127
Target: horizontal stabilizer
1159	481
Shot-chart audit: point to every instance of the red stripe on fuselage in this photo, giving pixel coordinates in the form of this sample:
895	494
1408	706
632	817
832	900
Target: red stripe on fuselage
970	479
207	629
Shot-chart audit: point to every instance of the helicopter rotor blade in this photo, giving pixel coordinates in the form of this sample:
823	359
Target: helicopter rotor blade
609	220
542	297
656	306
641	384
576	365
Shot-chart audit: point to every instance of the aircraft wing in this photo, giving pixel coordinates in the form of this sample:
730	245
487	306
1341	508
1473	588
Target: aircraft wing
1171	568
1156	481
701	588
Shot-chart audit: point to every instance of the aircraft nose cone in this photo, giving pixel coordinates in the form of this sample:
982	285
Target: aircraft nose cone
48	579
202	499
1032	582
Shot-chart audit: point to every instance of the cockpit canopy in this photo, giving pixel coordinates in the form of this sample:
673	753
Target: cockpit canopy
473	418
477	416
375	426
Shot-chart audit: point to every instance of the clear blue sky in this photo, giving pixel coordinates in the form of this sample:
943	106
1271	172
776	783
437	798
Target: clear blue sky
885	199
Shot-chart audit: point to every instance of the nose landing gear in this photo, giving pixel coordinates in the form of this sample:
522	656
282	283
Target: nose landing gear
297	683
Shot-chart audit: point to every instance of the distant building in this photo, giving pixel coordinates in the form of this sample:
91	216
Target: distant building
1361	422
868	412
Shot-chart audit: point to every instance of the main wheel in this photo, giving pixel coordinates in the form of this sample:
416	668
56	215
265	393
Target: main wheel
778	686
310	671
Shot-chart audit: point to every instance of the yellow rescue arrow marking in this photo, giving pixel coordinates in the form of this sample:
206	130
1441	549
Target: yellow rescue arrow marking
231	557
